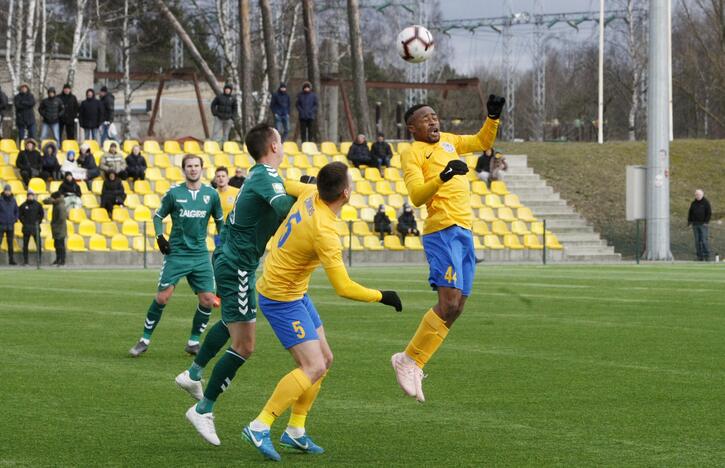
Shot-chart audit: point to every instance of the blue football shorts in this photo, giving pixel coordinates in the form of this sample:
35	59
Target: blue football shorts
452	258
293	322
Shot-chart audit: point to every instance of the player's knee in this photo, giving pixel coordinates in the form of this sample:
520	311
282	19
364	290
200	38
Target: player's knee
243	348
206	300
163	297
328	360
449	306
315	371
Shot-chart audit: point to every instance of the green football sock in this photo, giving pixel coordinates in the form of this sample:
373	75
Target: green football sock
223	373
213	341
153	316
201	319
205	406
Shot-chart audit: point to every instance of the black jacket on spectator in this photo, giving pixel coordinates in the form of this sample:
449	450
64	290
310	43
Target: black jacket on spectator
406	221
58	226
307	105
70	108
237	182
224	106
51	109
24	104
359	153
112	192
49	162
381	150
31	214
280	104
3	102
108	103
70	187
483	163
90	114
8	211
136	166
88	162
30	161
700	212
382	222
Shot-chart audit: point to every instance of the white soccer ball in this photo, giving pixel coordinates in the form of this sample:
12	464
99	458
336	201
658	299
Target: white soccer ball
415	44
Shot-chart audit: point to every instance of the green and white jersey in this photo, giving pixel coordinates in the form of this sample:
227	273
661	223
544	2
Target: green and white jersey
190	211
260	207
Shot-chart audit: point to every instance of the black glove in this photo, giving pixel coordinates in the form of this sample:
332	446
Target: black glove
163	244
391	298
454	168
495	106
308	179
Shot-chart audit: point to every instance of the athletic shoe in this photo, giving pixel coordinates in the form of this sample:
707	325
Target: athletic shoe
192	386
419	376
406	371
192	349
204	425
262	442
138	349
303	444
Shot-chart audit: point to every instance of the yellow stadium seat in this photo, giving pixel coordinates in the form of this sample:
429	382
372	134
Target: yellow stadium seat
161	186
552	242
109	229
293	173
162	161
480	228
7	173
128	145
499	187
69	145
372	243
392	243
396	201
493	201
345	147
505	214
142	187
349	213
222	160
511	241
537	227
107	145
372	174
355	174
152	147
96	186
310	148
395	161
367	214
413	243
361	228
290	148
97	243
54	186
8	146
153	174
192	147
86	228
119	243
390	212
356	245
99	215
383	187
312	171
243	161
172	147
479	187
37	185
76	243
392	174
340	158
89	200
341	228
363	187
301	161
477	245
130	228
175	174
531	241
525	214
357	201
499	228
519	228
329	148
120	214
476	202
491	241
319	160
375	200
401	188
151	201
77	215
142	214
48	244
402	146
132	201
138	244
512	201
212	147
231	147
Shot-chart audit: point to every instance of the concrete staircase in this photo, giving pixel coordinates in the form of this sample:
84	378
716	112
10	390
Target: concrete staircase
580	241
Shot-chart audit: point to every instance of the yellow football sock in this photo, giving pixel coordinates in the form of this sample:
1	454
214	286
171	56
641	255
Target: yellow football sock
429	336
301	407
289	389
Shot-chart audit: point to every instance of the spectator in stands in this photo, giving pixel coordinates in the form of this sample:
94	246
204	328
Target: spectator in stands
8	216
359	153
223	108
108	104
49	161
24	116
307	109
483	165
699	217
70	113
29	162
381	153
113	161
90	115
71	191
382	223
4	104
58	226
51	110
112	193
87	161
136	164
31	215
71	165
238	179
498	166
280	106
407	225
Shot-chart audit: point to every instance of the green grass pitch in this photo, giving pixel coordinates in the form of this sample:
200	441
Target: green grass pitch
556	365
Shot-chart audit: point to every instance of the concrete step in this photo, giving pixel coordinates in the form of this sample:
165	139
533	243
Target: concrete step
593	258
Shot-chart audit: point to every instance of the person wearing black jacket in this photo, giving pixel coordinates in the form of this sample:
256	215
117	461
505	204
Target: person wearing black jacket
58	226
280	106
407	225
70	112
699	217
24	103
108	104
136	164
69	187
112	193
8	216
483	165
87	161
359	153
51	111
223	108
49	162
381	153
238	179
3	107
381	223
31	215
29	162
90	115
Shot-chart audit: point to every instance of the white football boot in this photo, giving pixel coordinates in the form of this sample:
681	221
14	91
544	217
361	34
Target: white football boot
193	387
204	425
409	375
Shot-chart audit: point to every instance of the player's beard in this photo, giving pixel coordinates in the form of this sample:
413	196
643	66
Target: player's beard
193	181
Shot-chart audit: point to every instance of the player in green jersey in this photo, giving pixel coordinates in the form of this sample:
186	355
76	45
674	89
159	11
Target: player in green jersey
262	203
185	253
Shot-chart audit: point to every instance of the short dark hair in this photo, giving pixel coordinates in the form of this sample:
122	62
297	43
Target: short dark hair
258	139
222	169
409	113
191	156
332	181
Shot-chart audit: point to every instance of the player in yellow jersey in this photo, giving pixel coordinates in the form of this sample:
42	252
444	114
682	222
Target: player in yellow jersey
304	241
227	195
436	176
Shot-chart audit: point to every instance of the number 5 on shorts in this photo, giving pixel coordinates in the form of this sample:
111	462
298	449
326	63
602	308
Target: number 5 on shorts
299	331
450	275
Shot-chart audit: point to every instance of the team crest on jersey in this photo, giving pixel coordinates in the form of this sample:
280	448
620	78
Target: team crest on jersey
448	147
278	188
207	198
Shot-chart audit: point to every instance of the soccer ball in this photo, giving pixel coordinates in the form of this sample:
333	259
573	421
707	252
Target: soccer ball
415	44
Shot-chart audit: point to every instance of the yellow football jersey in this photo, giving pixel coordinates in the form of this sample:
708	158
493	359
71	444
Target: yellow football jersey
448	203
227	197
306	239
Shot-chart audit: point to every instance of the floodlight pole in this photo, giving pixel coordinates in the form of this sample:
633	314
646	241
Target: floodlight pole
600	122
658	142
669	66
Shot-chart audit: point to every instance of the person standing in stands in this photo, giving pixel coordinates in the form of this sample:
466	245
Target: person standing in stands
90	115
31	215
8	216
51	110
70	113
24	103
108	104
699	217
307	110
58	226
280	106
3	107
223	108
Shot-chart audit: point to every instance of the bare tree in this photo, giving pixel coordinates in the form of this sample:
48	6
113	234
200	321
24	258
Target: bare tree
230	56
358	68
245	42
43	72
79	35
8	45
270	46
126	56
30	36
290	43
313	61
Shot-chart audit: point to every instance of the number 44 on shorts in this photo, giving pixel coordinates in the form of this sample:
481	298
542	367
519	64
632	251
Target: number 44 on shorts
450	275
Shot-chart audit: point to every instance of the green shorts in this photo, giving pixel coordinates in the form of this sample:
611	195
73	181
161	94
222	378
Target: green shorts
235	287
197	270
